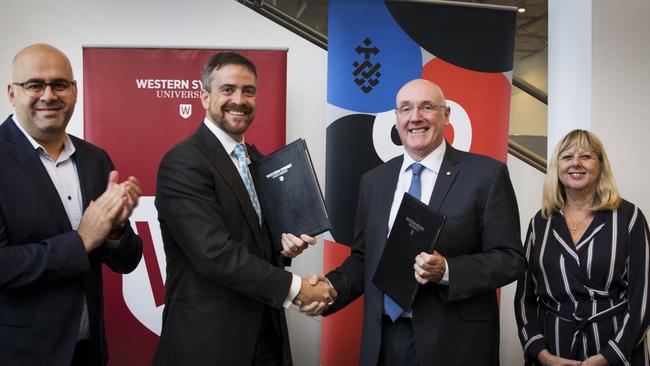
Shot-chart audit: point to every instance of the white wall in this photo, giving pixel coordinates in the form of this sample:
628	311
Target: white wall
621	84
69	24
528	115
528	184
569	68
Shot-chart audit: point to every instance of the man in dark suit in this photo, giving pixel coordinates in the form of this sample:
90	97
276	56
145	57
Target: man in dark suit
454	319
226	287
62	214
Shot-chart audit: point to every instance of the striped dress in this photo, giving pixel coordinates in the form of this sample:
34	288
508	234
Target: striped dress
578	301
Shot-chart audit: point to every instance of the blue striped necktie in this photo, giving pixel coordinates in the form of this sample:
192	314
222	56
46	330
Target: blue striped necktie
240	154
390	306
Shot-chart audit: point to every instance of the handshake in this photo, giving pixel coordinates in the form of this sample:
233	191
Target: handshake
315	296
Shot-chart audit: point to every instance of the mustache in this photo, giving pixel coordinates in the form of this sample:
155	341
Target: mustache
56	104
245	108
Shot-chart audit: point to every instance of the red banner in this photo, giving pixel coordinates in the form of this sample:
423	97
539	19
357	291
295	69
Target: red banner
138	103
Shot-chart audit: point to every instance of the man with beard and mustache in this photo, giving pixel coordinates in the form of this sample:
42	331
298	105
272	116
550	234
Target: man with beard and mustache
62	214
226	287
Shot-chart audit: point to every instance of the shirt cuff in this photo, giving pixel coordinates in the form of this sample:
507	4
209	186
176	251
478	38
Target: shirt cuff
445	277
296	281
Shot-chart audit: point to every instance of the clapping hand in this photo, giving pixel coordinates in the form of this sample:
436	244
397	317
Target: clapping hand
105	216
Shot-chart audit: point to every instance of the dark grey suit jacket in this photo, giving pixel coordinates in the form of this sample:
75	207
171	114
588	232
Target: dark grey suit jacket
44	268
456	324
221	268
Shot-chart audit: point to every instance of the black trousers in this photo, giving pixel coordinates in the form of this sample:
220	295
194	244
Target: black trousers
397	342
268	350
81	356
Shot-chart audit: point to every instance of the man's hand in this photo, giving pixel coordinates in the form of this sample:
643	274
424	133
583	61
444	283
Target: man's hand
292	245
316	294
132	192
313	309
429	267
98	219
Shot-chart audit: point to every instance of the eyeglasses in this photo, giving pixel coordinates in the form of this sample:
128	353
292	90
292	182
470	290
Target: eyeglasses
425	109
36	88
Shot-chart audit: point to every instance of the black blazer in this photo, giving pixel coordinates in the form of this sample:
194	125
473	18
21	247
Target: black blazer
221	269
44	268
456	324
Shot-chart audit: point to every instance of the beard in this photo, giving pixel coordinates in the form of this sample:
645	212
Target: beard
234	125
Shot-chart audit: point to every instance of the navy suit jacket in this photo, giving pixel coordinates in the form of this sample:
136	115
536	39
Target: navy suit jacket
456	324
223	272
44	268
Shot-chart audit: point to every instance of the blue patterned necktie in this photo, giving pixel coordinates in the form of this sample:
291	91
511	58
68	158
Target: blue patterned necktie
240	154
390	306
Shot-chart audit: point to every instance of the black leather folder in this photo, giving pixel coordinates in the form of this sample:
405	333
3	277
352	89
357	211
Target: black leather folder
289	192
416	229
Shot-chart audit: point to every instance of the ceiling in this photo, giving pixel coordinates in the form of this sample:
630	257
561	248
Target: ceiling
532	25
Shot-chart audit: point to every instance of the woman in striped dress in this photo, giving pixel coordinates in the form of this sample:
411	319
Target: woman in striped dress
584	298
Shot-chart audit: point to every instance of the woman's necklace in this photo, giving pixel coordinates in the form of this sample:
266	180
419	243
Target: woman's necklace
575	226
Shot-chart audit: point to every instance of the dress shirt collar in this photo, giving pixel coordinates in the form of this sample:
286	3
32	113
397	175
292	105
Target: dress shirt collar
68	146
226	140
433	161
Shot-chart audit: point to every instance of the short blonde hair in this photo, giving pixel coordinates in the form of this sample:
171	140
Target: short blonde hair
554	196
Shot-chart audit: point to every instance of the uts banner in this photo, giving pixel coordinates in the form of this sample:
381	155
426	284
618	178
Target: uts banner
138	103
375	47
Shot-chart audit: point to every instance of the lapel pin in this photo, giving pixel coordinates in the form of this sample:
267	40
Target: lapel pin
448	173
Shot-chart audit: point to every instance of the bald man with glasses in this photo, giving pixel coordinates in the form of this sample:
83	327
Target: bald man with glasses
63	212
454	319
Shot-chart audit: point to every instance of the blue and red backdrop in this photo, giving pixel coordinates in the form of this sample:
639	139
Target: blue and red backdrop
375	47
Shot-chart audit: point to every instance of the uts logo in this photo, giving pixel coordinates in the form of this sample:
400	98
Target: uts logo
185	110
366	74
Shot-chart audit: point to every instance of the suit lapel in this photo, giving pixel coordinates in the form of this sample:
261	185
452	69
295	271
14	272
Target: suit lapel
29	161
386	193
225	167
449	170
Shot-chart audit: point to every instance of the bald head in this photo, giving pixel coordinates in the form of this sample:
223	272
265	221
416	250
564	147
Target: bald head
43	93
39	57
423	87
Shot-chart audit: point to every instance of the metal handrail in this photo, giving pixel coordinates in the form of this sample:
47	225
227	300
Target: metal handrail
287	21
526	155
530	89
